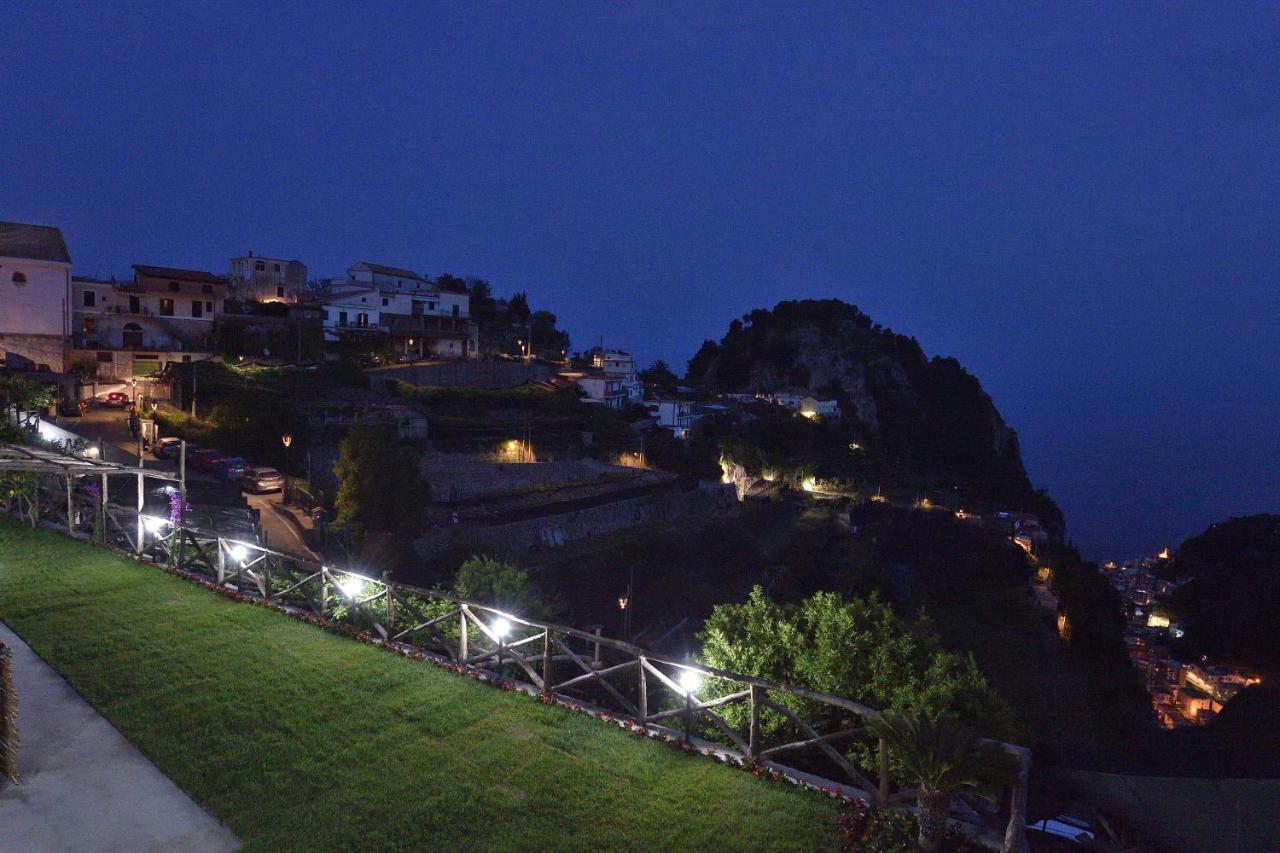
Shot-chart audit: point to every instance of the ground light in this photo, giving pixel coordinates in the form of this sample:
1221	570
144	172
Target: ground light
237	552
153	524
690	681
500	628
351	586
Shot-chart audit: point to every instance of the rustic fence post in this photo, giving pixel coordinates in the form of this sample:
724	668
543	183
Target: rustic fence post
71	527
644	692
8	717
222	561
102	512
688	716
882	786
462	634
546	662
141	530
391	610
595	658
756	697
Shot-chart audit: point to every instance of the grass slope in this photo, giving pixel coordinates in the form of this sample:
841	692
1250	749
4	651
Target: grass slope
300	739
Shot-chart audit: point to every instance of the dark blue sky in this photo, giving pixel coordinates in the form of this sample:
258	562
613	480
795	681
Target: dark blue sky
1080	203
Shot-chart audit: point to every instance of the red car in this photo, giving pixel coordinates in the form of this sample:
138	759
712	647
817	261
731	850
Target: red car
116	400
205	459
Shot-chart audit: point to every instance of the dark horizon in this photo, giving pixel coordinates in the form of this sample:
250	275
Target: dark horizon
1079	205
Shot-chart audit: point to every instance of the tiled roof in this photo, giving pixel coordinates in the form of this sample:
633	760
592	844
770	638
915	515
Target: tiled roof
33	242
179	274
395	271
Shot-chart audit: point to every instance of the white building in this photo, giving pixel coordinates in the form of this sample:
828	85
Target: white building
605	390
677	416
259	279
351	311
804	402
162	308
35	293
363	273
619	363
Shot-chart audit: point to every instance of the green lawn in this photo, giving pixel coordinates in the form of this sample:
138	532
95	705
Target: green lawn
300	739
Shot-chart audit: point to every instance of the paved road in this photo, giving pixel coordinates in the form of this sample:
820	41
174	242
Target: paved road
112	427
276	532
83	786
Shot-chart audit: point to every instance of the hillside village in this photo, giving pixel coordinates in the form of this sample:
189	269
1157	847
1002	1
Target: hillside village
413	425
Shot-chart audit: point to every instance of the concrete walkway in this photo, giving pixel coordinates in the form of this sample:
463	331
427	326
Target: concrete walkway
82	786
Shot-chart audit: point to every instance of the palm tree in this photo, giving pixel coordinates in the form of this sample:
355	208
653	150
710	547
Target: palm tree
945	758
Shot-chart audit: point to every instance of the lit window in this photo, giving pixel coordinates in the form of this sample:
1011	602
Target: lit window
19	278
89	326
166	307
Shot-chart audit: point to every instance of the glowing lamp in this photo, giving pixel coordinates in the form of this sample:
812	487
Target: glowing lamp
500	627
690	681
237	552
154	524
351	585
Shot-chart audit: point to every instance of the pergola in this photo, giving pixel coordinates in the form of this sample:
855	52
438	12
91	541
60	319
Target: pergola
48	465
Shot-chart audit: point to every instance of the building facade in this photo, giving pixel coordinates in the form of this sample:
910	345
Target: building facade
258	279
163	308
35	292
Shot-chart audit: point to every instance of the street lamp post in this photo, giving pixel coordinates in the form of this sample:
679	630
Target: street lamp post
286	440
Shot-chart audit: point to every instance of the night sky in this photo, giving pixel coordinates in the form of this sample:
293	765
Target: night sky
1080	203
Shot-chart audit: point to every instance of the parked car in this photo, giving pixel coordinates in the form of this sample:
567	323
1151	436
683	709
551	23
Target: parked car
204	459
116	400
166	448
259	480
232	467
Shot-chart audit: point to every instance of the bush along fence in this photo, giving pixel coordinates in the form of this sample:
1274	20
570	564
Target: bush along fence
8	718
699	708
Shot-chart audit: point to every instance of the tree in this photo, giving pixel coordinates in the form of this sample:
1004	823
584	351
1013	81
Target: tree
856	648
701	362
944	757
518	307
20	395
380	488
490	581
86	368
659	377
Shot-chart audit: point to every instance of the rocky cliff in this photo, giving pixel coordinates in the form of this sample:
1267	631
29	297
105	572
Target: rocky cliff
925	418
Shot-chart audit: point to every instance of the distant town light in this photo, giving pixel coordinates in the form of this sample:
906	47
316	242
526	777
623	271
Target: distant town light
622	602
286	439
1163	555
809	484
690	681
500	627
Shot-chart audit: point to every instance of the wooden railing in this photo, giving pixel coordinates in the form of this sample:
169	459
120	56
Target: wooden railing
608	677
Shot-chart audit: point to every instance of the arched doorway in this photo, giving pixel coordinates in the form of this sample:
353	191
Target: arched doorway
132	336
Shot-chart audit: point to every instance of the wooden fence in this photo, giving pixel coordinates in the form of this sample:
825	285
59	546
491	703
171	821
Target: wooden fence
8	718
709	708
